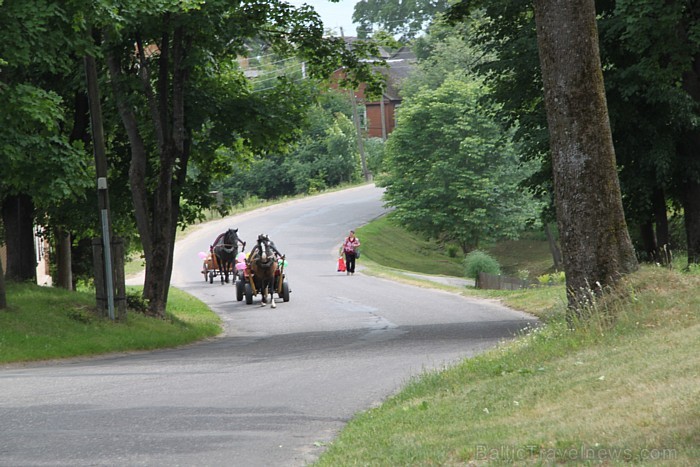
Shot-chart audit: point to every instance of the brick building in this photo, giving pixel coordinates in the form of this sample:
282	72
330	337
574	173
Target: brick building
380	115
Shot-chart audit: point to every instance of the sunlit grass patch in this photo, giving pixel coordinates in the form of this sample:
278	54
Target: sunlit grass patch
46	323
393	247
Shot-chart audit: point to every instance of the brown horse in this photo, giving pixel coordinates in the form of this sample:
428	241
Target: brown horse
263	265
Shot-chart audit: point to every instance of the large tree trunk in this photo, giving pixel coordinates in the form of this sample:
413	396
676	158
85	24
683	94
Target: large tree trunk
64	268
64	257
690	167
157	222
691	208
646	232
18	218
593	233
663	236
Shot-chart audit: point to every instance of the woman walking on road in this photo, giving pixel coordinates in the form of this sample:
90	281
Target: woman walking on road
350	246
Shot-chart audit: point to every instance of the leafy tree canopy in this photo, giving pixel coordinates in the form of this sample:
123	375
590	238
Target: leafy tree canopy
35	154
452	172
404	18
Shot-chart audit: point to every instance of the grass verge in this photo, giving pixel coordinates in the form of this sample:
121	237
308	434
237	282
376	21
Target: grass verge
46	323
624	387
390	251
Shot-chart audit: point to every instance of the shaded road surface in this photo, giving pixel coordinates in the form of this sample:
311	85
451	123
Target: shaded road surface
277	386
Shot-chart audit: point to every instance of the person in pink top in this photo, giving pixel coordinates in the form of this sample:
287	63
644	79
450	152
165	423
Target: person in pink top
350	248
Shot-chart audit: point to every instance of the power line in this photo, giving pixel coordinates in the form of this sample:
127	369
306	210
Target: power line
276	70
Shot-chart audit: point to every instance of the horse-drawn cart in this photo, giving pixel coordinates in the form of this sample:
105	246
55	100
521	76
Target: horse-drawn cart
248	286
220	261
263	273
210	268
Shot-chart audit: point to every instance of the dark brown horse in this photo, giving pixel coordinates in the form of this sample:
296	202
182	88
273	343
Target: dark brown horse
225	249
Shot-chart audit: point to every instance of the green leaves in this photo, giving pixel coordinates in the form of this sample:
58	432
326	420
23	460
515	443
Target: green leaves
451	172
397	17
35	157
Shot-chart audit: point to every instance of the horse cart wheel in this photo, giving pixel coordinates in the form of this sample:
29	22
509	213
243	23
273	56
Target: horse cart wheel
285	291
239	290
248	294
211	277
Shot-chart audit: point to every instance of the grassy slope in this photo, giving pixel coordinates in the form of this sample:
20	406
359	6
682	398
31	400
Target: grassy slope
394	247
45	323
621	388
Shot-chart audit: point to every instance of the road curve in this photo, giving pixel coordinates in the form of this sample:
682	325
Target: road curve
278	385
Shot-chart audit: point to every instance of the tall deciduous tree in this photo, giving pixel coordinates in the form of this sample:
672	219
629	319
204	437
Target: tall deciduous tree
595	241
648	48
169	64
39	165
452	171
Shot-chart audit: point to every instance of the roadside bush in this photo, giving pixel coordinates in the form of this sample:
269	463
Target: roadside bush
136	302
552	279
478	261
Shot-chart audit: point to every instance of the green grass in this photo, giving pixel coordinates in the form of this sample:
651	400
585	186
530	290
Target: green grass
393	247
46	323
625	388
528	254
389	251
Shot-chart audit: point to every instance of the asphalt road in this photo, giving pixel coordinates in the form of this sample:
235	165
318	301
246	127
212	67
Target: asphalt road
278	385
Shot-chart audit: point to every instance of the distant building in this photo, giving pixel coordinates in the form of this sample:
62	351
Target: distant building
380	115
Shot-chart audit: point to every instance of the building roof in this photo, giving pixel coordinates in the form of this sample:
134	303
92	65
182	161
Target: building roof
400	64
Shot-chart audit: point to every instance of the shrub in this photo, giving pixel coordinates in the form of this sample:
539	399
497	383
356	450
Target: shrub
136	302
452	251
552	279
478	261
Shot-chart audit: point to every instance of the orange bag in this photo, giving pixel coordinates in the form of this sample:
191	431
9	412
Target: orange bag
341	264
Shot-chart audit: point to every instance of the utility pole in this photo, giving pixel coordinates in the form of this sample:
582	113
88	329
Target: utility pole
98	143
383	111
358	129
360	141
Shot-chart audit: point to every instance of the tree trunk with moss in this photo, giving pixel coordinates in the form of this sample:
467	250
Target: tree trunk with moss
595	242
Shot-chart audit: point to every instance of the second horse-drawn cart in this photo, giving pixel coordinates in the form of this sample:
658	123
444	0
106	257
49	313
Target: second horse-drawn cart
220	261
210	268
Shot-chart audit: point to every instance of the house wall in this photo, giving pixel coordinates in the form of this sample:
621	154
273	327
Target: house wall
373	108
43	274
374	118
